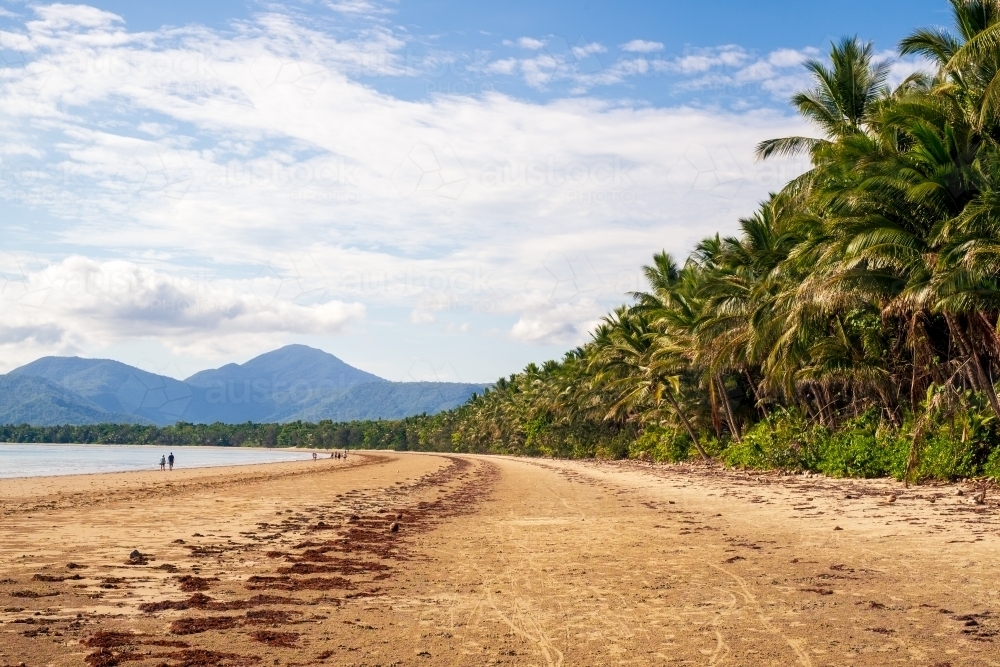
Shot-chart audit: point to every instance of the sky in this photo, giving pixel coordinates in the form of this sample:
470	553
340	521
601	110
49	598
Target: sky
433	190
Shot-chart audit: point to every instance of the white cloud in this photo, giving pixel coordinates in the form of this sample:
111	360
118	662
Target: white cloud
57	17
702	60
901	68
790	57
80	303
297	196
531	43
642	46
584	50
777	74
418	316
725	66
358	8
560	324
505	66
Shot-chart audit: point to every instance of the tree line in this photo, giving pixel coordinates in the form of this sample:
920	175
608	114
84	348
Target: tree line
402	434
850	325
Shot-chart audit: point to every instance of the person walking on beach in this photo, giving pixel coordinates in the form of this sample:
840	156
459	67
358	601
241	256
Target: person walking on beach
314	456
163	463
170	460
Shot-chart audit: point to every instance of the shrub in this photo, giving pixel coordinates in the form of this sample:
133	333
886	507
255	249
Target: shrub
960	443
784	440
863	447
659	443
616	447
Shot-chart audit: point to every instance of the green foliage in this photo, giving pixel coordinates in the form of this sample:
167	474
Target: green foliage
963	446
422	433
661	445
863	447
784	440
960	441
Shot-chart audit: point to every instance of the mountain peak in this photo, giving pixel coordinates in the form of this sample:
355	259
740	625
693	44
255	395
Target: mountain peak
291	364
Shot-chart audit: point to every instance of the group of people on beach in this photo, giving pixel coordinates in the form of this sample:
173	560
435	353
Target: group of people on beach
333	455
169	460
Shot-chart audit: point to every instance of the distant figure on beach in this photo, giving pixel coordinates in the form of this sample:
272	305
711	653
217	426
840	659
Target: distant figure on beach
170	460
345	453
163	463
314	456
331	454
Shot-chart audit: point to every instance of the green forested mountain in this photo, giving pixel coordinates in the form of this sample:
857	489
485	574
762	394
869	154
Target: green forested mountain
36	400
289	384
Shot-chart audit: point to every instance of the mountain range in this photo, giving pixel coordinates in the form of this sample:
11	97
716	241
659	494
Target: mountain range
292	383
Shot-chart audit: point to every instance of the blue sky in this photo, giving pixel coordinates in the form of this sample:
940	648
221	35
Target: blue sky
463	29
433	190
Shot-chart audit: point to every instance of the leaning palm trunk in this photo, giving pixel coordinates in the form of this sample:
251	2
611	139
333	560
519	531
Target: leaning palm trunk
714	405
724	397
687	425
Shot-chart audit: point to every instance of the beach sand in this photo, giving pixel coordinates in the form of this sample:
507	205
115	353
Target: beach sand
493	561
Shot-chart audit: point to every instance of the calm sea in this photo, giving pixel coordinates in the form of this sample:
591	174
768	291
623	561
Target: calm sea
38	460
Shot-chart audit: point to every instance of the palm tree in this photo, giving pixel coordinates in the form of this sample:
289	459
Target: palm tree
840	102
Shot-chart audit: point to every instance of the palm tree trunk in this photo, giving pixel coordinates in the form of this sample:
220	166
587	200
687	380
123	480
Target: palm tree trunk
977	374
923	358
828	405
753	388
687	425
889	406
990	331
724	397
716	423
803	398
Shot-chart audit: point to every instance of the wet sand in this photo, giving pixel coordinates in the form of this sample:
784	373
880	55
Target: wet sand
406	559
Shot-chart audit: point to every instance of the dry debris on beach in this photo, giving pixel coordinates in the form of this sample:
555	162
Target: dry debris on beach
405	559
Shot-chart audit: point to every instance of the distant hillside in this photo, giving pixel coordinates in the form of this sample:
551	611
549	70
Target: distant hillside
114	386
41	402
389	400
292	383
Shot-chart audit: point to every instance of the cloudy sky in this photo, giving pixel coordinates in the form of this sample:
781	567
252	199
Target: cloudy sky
428	190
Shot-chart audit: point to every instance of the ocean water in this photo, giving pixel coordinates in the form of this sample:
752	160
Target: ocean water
18	460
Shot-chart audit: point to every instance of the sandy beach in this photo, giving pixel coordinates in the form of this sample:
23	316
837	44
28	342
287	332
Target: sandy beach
410	559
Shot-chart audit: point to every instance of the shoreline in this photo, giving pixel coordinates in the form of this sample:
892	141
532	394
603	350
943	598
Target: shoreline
12	488
294	455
